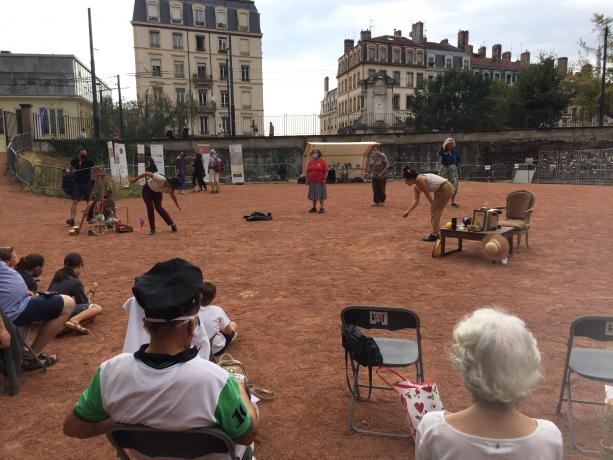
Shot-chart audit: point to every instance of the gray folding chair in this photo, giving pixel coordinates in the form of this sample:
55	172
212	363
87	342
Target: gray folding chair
590	363
396	352
175	444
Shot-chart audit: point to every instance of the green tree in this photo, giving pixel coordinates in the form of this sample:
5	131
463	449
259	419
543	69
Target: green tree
594	50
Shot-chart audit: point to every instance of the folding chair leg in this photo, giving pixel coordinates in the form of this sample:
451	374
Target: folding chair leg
562	389
571	432
354	392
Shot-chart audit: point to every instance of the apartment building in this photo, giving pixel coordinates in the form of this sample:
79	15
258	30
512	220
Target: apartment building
206	50
328	118
443	56
58	87
499	66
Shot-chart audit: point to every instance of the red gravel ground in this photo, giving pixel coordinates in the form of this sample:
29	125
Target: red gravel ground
285	283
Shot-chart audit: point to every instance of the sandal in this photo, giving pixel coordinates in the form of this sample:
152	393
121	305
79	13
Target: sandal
262	393
31	364
76	327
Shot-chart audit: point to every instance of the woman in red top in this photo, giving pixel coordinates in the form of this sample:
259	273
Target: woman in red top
317	170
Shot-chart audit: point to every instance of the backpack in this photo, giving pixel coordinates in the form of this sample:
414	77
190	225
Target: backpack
218	165
362	349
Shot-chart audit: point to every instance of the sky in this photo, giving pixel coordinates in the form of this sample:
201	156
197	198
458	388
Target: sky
304	39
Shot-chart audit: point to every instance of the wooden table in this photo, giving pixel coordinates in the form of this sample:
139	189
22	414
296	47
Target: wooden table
460	235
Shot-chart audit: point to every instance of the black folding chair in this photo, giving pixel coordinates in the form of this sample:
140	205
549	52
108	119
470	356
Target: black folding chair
590	363
175	444
396	352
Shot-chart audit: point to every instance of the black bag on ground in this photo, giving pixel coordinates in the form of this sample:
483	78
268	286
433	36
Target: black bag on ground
360	347
258	217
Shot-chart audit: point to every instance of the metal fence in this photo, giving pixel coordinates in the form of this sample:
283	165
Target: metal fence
575	167
52	125
17	165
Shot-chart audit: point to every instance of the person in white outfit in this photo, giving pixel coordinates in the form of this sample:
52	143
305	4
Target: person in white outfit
499	361
215	319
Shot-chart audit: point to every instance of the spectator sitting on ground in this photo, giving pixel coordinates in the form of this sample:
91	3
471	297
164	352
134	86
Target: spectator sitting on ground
8	255
30	268
23	309
215	319
66	281
164	385
499	361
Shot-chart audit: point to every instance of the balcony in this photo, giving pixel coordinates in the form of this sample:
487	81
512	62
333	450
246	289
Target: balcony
209	107
223	50
243	28
222	25
202	79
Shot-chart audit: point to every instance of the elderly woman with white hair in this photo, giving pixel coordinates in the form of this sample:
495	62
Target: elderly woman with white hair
499	361
450	162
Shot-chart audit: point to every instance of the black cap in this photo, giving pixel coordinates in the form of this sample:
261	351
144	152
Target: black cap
169	290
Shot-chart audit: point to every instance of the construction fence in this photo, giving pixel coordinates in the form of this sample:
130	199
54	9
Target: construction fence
575	167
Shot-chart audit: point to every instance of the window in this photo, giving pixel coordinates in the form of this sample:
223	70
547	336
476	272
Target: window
244	46
420	78
382	54
177	41
396	56
203	98
372	53
156	67
201	70
508	78
176	14
409	56
179	69
245	72
410	79
419	59
396	102
245	99
448	63
200	41
221	19
465	64
52	122
223	71
153	11
371	72
430	61
204	125
180	95
223	44
225	124
408	102
61	128
397	77
243	22
199	17
225	100
430	77
496	76
154	39
158	92
1	122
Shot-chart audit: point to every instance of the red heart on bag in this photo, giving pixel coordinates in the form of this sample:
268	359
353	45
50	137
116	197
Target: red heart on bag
427	389
419	407
417	391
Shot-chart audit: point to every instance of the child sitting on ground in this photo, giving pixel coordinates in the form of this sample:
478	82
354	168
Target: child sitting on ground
214	318
108	209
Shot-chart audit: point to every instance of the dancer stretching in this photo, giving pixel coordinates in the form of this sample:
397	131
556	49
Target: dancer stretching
152	196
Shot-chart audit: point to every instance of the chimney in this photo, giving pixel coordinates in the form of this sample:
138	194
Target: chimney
326	86
417	33
471	49
497	52
463	40
506	56
444	41
365	35
524	58
397	33
482	52
348	46
563	65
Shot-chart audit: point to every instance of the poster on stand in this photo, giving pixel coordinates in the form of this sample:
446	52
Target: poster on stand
140	160
119	166
236	164
205	150
111	153
157	153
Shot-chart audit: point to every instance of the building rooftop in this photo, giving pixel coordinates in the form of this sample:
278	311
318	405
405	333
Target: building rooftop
391	39
443	47
494	63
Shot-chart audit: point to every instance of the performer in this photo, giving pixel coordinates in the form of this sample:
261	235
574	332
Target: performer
450	162
81	167
152	196
378	166
427	184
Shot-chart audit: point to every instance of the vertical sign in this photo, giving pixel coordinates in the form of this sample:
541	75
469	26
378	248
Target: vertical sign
157	153
120	161
236	164
205	150
140	160
111	152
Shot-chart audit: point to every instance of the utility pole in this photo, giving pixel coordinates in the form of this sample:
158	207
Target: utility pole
232	109
120	108
604	77
95	106
228	127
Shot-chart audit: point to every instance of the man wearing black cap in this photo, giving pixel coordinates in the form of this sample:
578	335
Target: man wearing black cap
165	385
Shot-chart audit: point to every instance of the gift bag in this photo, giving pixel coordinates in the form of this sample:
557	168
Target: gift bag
417	398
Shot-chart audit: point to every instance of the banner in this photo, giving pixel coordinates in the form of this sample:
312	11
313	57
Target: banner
119	166
157	153
236	164
205	150
140	160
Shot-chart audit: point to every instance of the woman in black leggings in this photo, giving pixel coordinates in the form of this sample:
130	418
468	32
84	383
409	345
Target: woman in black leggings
198	173
153	191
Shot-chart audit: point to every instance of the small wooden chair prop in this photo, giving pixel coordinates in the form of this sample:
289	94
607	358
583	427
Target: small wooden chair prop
520	205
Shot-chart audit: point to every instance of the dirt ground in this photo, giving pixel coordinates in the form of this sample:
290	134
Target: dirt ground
285	283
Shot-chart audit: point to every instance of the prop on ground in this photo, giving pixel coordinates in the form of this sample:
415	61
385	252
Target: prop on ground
258	217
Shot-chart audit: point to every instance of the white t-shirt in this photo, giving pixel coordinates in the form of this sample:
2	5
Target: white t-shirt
137	335
437	440
214	318
158	183
433	182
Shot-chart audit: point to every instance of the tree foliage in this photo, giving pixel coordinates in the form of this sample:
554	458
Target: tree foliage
592	50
